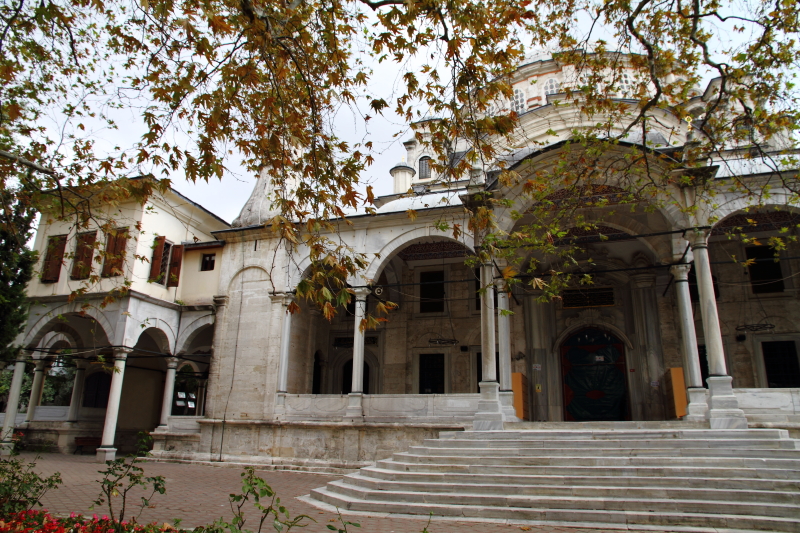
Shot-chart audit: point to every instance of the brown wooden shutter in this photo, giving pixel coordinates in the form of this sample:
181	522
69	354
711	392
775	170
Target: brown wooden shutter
51	268
158	255
84	251
175	266
115	250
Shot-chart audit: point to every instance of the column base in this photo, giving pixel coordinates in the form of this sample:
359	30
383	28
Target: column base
507	406
6	449
489	416
697	409
161	429
724	412
280	406
106	454
355	410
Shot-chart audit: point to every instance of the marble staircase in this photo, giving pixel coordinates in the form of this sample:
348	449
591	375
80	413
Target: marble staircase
609	476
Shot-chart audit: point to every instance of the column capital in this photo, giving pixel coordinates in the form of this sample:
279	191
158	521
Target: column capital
361	293
172	362
22	357
220	300
121	353
697	237
641	281
681	271
40	364
80	364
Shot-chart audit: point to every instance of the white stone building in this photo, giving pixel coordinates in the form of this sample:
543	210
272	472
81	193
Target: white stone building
269	387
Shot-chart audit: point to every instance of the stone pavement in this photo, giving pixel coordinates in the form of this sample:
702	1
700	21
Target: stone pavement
199	494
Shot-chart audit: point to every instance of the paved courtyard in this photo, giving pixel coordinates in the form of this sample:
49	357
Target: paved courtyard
199	495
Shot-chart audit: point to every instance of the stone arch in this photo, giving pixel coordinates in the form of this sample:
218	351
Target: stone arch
159	336
740	206
166	343
192	330
593	321
337	361
393	247
183	363
242	270
670	200
45	323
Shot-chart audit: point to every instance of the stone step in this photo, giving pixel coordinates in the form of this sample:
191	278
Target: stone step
634	424
657	490
595	470
578	460
607	434
542	501
784	444
767	453
573	517
582	480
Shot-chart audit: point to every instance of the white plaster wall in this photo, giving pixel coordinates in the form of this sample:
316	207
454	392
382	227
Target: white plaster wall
199	287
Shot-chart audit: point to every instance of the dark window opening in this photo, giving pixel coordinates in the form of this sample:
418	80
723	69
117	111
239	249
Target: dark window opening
594	297
185	399
96	389
164	264
781	364
208	262
347	378
425	168
694	291
431	373
766	275
431	292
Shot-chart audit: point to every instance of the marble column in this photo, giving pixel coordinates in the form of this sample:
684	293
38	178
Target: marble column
506	395
489	415
697	408
724	412
77	391
106	450
37	388
7	444
169	391
355	410
283	358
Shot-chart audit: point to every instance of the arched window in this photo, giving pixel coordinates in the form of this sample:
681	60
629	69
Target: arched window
551	86
97	387
425	168
518	102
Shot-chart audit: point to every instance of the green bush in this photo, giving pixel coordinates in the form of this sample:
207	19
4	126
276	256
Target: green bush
21	488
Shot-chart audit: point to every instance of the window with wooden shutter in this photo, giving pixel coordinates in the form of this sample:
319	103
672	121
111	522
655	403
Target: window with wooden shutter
54	256
156	260
116	242
84	251
175	266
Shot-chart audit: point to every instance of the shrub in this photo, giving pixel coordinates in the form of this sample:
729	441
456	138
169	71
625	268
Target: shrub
21	488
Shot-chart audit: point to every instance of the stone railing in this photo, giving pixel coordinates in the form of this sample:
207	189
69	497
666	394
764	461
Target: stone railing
779	406
403	408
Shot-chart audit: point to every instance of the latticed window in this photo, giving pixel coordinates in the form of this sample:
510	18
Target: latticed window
594	297
551	86
425	168
518	102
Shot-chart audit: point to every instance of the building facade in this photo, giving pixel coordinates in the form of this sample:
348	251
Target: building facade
211	362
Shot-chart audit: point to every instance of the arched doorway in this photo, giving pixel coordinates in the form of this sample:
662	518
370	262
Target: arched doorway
593	373
347	378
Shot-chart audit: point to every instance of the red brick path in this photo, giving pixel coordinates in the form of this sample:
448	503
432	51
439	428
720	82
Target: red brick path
199	495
